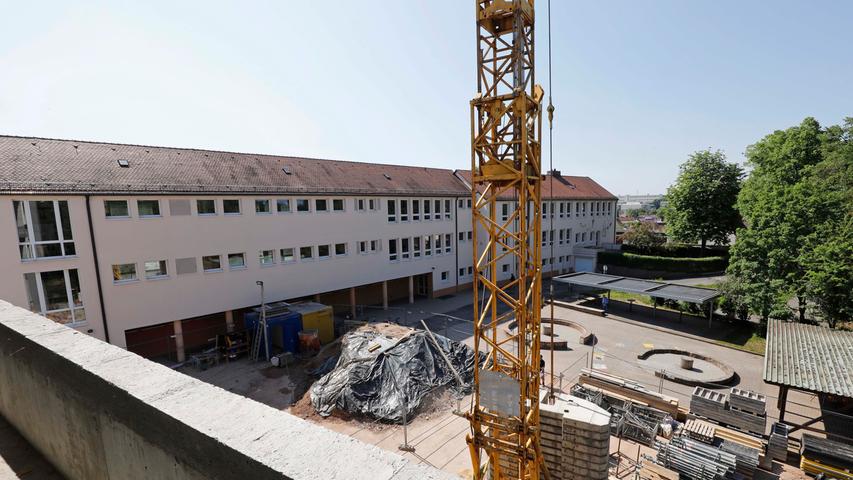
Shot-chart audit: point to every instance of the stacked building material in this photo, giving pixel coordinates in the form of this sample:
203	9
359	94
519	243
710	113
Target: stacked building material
713	405
700	430
628	419
777	447
629	389
653	471
748	401
697	461
746	458
821	455
575	438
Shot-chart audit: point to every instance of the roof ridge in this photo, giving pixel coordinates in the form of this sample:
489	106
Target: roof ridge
95	142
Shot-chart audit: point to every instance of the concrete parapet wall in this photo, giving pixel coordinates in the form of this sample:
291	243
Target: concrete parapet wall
97	411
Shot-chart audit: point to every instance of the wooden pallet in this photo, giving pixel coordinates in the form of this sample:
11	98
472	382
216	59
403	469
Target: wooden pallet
700	430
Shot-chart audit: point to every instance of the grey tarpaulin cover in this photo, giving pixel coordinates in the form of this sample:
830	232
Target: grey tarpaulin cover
372	383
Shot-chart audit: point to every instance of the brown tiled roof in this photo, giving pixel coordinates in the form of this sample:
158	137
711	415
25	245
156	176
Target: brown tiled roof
565	187
46	165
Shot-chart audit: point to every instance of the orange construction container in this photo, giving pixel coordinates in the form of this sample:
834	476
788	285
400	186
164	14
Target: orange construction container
318	317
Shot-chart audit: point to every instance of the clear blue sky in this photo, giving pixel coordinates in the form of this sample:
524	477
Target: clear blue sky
637	85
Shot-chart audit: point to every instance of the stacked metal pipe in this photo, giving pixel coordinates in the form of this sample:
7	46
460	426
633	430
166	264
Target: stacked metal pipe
697	461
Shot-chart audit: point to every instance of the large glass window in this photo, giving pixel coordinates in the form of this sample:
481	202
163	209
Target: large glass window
231	206
306	253
392	210
286	255
283	205
236	261
44	229
302	205
323	251
262	206
116	208
321	205
427	214
206	207
211	263
56	295
266	257
392	249
447	212
404	210
338	204
148	208
340	249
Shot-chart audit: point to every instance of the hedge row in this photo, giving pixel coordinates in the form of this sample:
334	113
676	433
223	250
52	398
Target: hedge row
667	264
677	250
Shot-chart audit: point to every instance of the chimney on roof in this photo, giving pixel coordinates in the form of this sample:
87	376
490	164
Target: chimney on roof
554	172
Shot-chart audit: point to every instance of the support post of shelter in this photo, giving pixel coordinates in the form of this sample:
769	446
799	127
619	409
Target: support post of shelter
179	340
411	289
782	403
352	304
710	313
229	321
385	295
654	308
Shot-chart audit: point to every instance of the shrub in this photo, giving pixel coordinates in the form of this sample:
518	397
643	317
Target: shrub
680	250
667	264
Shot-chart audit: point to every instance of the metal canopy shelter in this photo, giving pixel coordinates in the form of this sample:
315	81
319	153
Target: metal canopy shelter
655	289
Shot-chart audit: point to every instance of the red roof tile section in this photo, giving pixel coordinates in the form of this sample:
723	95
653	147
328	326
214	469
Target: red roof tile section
46	165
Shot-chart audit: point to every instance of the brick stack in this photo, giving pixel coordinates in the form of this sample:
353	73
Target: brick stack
714	405
575	438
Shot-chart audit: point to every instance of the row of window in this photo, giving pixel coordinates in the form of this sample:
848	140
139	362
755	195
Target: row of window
564	209
412	248
398	210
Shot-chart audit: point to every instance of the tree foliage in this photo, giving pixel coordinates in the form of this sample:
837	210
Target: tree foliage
701	202
643	235
796	204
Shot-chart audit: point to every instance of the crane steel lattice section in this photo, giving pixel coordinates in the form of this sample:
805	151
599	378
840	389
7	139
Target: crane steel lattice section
506	125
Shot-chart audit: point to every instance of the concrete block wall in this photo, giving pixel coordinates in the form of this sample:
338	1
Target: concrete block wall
97	411
575	438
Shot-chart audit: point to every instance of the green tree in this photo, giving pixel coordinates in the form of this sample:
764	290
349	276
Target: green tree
701	202
643	235
794	205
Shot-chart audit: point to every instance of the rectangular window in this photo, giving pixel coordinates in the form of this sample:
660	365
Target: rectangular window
56	295
416	210
374	246
338	204
231	206
282	205
404	210
373	204
544	209
447	210
583	236
359	204
469	203
427	245
562	209
583	206
560	240
262	206
470	235
568	209
461	270
416	247
461	236
321	205
427	214
306	253
404	248
124	272
303	205
362	247
505	267
460	203
266	257
211	263
323	251
448	245
444	276
148	208
340	249
470	270
437	210
116	208
155	269
504	212
44	229
206	207
236	261
392	249
437	243
392	211
286	255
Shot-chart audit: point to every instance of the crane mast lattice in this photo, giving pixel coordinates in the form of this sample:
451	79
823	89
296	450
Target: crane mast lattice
506	127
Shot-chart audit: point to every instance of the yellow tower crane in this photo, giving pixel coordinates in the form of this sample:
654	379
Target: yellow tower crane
506	125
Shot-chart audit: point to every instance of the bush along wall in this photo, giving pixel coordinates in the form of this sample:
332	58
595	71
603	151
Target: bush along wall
669	264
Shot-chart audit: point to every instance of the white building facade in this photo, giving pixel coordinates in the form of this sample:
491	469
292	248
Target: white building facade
139	245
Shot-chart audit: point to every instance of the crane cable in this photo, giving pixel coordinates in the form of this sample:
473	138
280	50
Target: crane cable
551	196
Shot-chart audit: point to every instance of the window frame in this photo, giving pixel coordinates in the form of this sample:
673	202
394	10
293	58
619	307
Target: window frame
117	217
343	202
328	254
139	201
346	249
393	253
211	270
263	201
69	295
317	208
283	201
238	203
123	281
205	214
241	255
160	276
262	256
310	257
30	244
391	205
282	255
300	202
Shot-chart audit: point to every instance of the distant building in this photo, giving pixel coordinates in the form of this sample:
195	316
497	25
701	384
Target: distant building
139	245
640	202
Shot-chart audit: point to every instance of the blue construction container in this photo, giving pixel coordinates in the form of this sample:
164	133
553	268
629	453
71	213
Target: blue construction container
282	330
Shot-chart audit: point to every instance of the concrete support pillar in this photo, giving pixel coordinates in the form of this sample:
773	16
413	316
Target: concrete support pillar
229	320
385	295
352	303
411	289
179	340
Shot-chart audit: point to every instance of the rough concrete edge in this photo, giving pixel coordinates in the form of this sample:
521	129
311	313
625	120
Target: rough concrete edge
29	327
